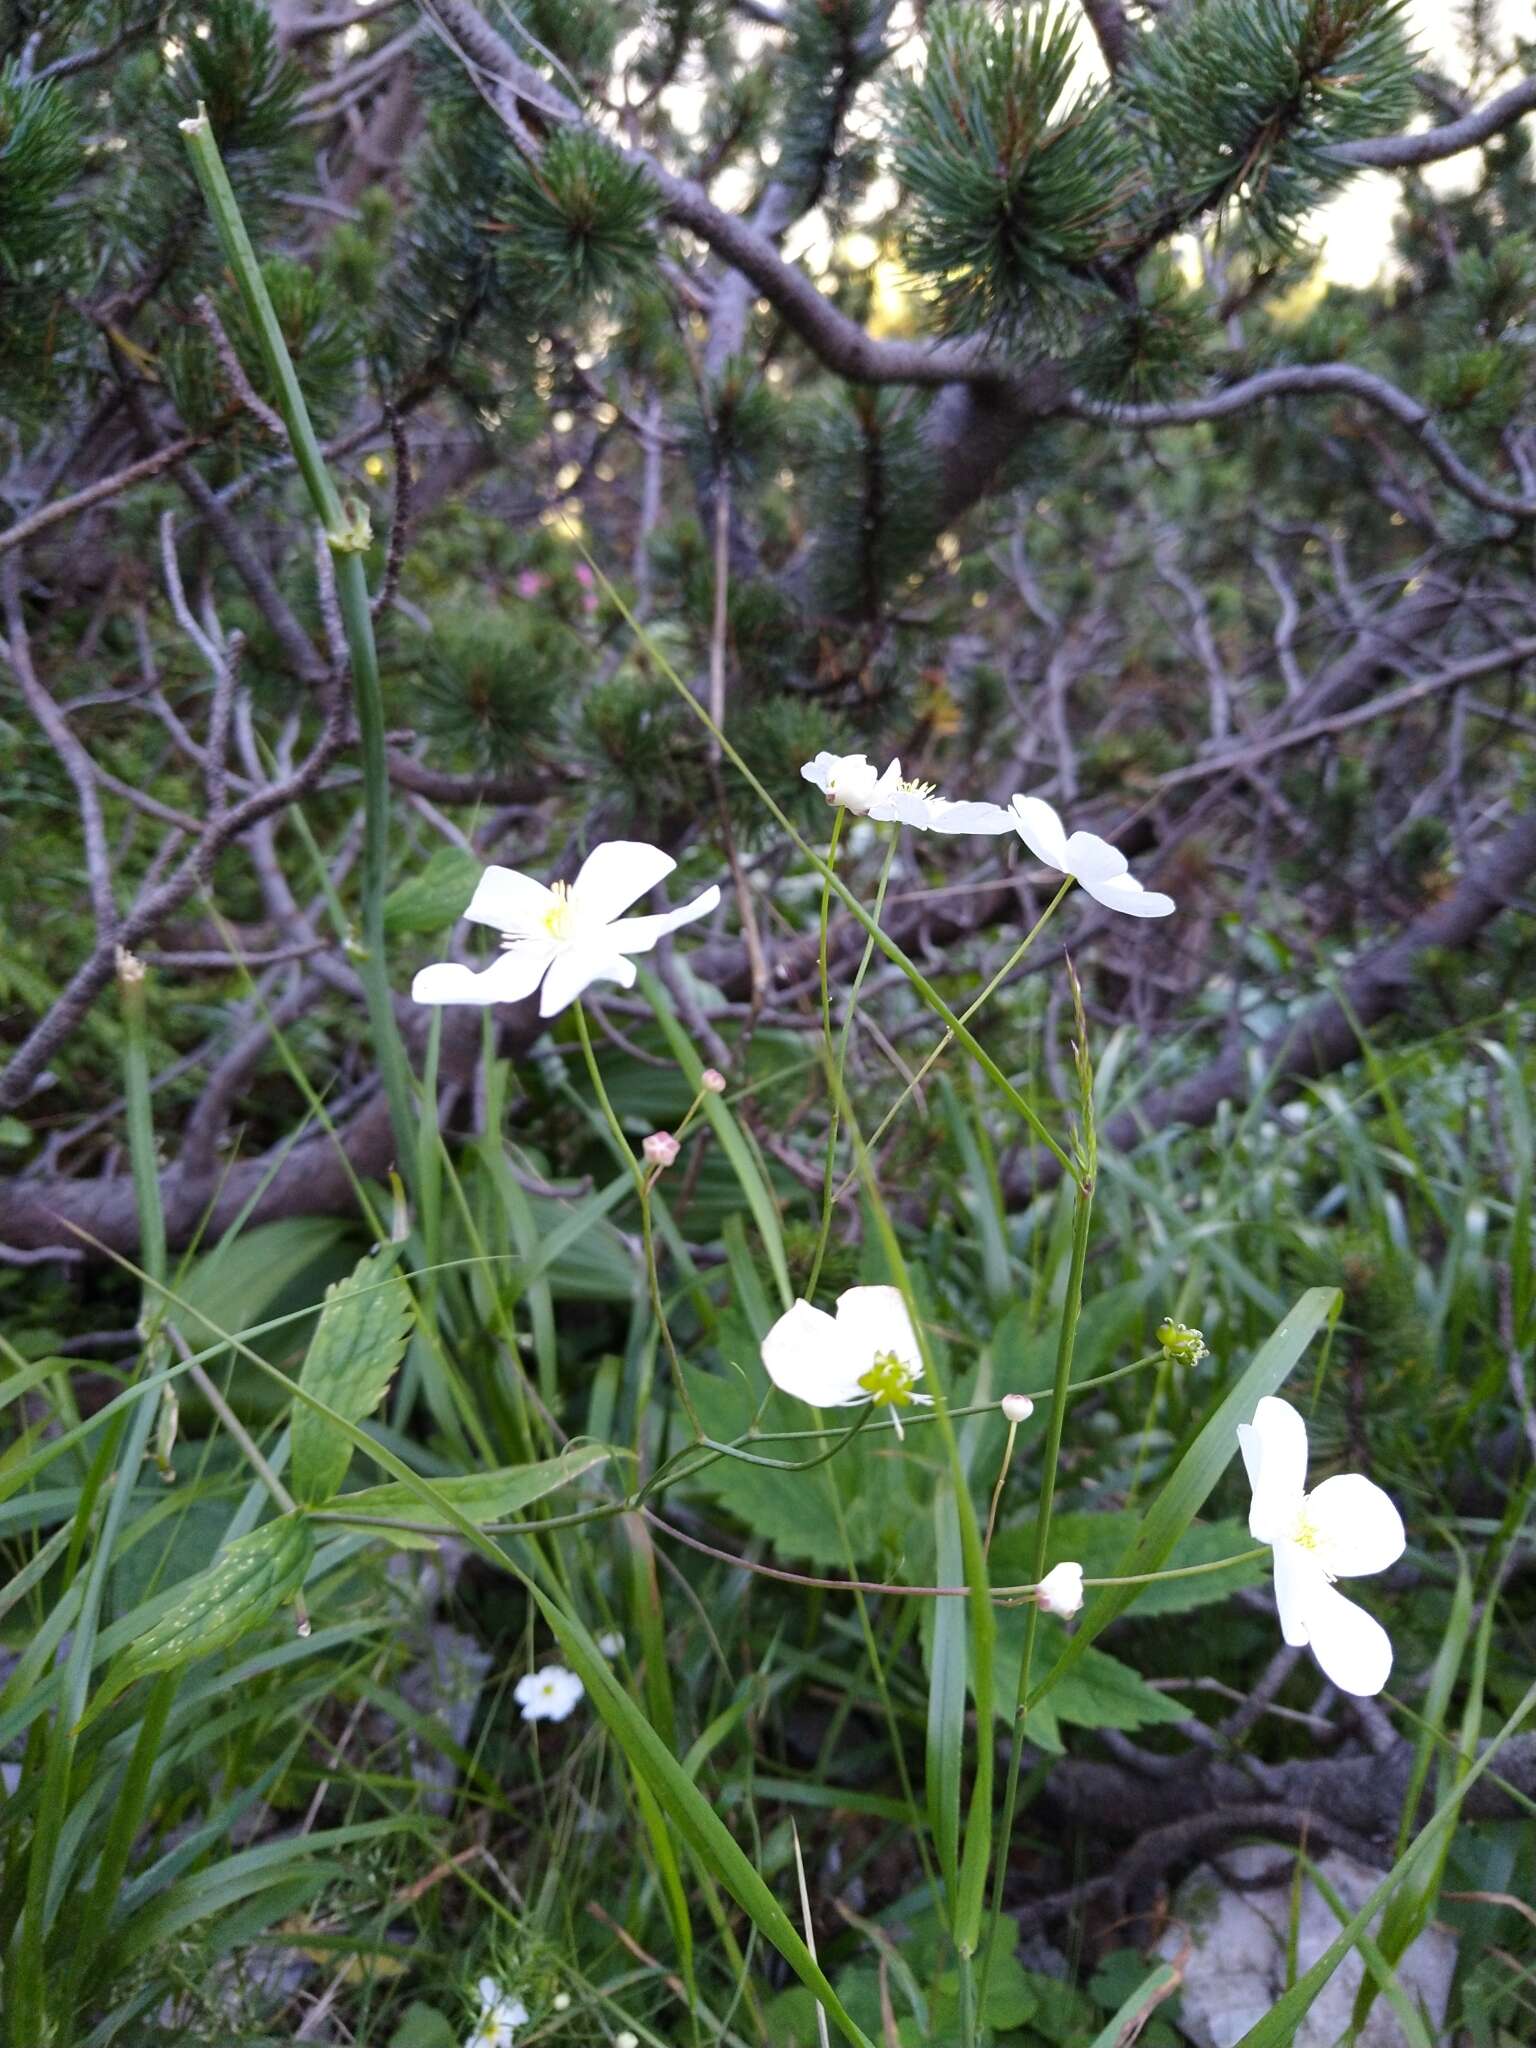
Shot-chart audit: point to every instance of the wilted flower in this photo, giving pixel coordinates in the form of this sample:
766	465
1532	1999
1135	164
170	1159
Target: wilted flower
1345	1529
1061	1590
1018	1407
548	1695
660	1148
1182	1344
1090	860
565	936
868	1351
499	2019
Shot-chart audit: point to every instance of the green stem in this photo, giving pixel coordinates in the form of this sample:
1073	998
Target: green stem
966	1015
1071	1310
346	530
642	1189
827	1197
139	1115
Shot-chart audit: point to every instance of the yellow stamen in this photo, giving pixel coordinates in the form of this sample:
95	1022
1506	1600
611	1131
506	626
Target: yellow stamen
889	1381
558	918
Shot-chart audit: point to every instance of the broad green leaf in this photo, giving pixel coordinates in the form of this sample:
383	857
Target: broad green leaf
361	1337
1190	1484
435	897
495	1496
239	1590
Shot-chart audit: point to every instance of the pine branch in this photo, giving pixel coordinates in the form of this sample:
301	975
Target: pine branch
1433	145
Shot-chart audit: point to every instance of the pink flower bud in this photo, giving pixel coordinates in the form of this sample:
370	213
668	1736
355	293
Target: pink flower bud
713	1080
660	1148
529	583
1018	1407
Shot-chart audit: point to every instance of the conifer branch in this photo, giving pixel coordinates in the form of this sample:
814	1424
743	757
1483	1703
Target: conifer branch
1432	145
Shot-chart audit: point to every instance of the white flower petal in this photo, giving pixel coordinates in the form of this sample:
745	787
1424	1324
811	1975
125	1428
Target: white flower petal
1093	859
639	934
872	1321
489	1990
806	1354
1124	893
510	901
1299	1582
1041	831
1357	1526
510	978
616	874
990	819
1352	1647
576	967
1274	1450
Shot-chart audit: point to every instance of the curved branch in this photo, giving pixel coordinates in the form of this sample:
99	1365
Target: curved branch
1431	145
1311	378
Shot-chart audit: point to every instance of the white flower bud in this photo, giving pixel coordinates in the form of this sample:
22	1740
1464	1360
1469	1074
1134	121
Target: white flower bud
1018	1407
1061	1590
562	2001
660	1148
712	1080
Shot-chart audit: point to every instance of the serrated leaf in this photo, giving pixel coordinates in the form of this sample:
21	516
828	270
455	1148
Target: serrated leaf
364	1328
483	1496
436	897
246	1583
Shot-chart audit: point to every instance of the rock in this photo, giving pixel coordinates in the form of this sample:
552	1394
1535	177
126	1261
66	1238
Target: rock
1238	1919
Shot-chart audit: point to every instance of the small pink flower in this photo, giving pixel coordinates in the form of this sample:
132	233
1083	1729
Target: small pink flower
660	1148
712	1080
584	576
529	583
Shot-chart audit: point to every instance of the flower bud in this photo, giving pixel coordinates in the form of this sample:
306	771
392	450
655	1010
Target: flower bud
1018	1407
562	2001
130	968
1182	1344
1061	1590
712	1080
626	2040
660	1149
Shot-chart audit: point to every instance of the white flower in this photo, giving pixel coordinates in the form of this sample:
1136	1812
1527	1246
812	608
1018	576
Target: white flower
868	1351
1102	871
548	1695
846	779
849	780
565	936
500	2017
898	801
1346	1529
611	1643
1061	1590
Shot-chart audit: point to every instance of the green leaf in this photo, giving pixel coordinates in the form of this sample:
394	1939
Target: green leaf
364	1328
239	1590
435	897
1190	1484
494	1496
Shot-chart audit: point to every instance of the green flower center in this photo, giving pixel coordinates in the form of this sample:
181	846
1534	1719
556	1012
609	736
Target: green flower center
889	1381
